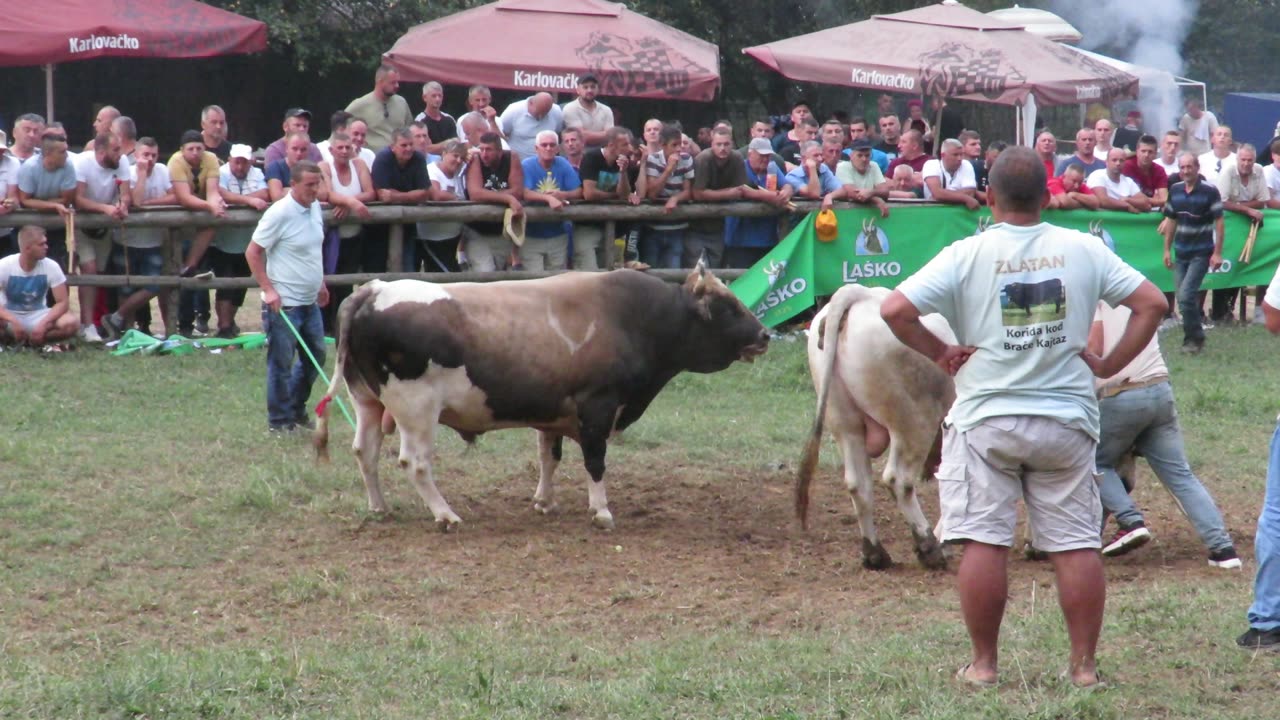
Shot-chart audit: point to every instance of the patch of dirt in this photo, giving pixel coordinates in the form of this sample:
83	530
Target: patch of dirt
691	549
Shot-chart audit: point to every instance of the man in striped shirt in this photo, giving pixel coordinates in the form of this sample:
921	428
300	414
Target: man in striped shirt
1195	234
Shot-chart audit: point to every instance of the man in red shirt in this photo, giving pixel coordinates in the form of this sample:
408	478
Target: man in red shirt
1069	192
1151	178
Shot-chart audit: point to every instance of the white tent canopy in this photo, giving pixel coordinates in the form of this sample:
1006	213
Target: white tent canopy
1159	91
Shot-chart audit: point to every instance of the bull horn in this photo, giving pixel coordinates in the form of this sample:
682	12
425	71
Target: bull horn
1095	227
701	267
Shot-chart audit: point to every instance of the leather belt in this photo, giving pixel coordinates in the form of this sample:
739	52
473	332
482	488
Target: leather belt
1113	390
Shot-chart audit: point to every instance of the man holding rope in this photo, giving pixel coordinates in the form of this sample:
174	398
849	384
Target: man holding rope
285	259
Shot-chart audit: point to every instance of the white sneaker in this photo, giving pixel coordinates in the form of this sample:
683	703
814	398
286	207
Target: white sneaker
1168	324
89	334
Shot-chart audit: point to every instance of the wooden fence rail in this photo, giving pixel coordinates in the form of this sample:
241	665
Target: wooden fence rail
397	216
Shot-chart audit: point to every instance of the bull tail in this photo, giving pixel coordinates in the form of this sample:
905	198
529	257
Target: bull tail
320	438
828	342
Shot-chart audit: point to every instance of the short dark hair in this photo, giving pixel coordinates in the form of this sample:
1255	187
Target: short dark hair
491	138
612	134
339	120
858	120
967	135
1017	180
149	142
401	132
1274	148
1147	140
670	132
30	117
191	136
588	77
999	146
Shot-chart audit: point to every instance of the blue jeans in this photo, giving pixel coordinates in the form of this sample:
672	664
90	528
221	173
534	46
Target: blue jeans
661	248
1188	273
290	373
1147	420
1264	614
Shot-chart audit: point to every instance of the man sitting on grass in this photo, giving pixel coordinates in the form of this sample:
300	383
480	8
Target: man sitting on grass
25	279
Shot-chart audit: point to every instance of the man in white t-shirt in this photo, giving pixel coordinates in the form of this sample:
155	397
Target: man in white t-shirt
26	277
9	167
285	258
102	186
142	249
1170	149
1264	613
594	118
951	180
1114	189
1196	128
1219	157
1271	173
341	121
1021	297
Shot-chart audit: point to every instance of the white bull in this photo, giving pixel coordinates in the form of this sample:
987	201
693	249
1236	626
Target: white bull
874	392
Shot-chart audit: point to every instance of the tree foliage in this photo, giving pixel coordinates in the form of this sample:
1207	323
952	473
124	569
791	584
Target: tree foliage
323	36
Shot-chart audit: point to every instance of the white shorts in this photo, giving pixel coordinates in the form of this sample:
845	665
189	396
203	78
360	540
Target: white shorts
1050	466
29	320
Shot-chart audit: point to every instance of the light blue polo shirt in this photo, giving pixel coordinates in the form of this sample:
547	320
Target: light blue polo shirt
293	237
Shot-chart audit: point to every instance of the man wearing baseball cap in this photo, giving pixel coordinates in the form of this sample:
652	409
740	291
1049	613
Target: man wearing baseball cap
747	239
296	120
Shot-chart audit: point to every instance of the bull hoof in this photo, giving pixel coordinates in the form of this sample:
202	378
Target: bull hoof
929	552
603	519
546	508
448	523
932	557
875	557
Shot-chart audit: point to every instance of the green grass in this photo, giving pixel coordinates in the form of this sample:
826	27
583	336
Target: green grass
162	557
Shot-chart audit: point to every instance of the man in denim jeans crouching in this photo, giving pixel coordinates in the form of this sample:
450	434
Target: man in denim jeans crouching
285	259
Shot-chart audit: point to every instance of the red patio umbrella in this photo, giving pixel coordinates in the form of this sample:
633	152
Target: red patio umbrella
69	30
539	45
946	50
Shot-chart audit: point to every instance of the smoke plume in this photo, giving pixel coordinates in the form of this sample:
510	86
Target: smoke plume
1146	34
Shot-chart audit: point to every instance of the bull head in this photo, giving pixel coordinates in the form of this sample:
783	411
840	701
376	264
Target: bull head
871	237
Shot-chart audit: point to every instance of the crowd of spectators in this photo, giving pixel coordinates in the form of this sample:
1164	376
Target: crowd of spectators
536	151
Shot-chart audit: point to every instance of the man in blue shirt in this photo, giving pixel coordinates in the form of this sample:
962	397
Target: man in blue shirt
1195	236
748	239
548	178
812	179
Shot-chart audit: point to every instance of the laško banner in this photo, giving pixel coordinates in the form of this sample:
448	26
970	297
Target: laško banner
881	252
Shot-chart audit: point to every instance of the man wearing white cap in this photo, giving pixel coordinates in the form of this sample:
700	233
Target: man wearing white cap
241	184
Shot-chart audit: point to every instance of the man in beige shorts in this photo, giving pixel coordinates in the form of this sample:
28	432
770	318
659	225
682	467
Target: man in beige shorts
1021	298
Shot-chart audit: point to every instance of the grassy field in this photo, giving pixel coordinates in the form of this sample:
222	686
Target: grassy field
163	557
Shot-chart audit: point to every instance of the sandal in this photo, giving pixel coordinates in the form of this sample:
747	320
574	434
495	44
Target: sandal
962	676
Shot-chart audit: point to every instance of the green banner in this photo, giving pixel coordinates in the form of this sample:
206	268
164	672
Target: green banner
881	252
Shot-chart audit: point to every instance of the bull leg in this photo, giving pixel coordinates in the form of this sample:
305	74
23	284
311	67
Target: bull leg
857	478
550	451
416	448
366	445
595	422
900	474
